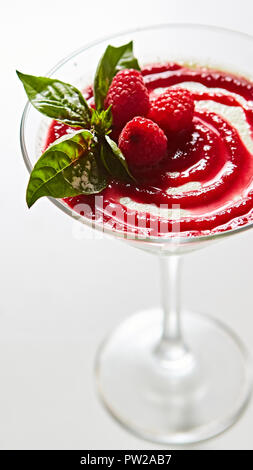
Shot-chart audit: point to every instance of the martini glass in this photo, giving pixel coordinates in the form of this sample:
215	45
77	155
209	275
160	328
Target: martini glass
164	382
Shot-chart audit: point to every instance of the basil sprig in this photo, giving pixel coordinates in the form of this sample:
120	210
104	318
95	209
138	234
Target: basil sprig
82	162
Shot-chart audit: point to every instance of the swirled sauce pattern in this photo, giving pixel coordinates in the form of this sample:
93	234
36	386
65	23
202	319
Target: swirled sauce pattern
205	185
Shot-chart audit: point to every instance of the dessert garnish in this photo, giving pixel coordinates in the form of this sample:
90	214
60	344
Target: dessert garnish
83	162
128	97
173	110
142	142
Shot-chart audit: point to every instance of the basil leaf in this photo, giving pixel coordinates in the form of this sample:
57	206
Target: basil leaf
114	160
113	60
101	121
57	100
47	177
86	175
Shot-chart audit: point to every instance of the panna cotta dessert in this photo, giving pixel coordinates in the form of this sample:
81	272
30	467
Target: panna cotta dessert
183	138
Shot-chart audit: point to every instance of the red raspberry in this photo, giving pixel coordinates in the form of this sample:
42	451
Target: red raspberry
142	142
128	96
173	110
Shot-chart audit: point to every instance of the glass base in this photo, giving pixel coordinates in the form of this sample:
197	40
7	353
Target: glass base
180	401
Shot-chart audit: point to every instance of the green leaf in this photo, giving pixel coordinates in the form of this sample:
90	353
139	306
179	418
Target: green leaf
48	177
86	175
114	160
57	100
113	60
101	121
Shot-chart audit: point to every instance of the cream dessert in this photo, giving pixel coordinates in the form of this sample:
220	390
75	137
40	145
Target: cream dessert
206	180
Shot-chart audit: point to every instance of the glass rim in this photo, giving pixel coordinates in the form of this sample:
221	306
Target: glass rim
173	240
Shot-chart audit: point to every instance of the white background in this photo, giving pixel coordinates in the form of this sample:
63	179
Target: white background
59	296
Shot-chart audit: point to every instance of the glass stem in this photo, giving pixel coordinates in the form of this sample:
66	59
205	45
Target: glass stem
171	346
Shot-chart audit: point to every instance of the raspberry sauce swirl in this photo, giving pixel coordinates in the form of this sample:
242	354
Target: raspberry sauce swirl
205	185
